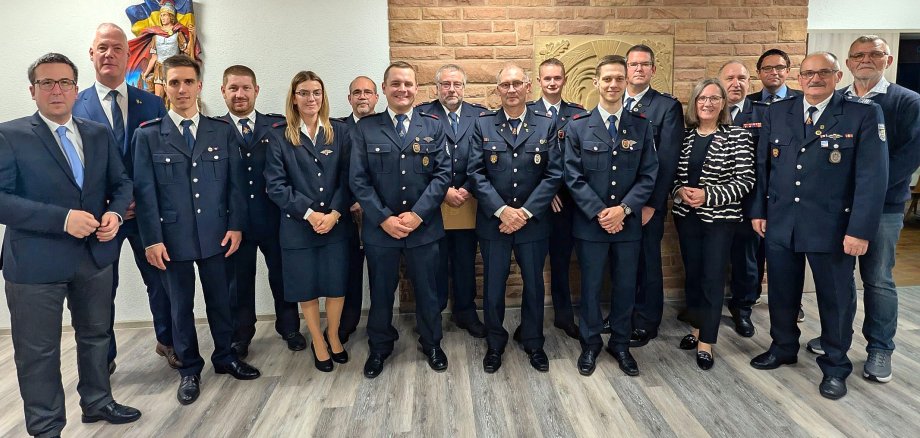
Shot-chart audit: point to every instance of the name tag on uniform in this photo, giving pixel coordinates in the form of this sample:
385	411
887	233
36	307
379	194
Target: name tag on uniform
824	144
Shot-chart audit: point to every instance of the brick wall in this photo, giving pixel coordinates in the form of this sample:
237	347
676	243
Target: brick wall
482	35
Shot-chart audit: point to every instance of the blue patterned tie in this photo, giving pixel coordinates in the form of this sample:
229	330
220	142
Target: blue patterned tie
70	151
552	112
400	125
514	127
247	131
629	103
612	128
454	121
810	122
118	122
187	134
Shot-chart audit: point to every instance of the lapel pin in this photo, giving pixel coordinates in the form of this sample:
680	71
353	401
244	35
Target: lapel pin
326	151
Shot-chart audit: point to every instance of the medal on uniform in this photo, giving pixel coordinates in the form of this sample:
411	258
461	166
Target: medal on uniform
416	147
493	159
775	152
627	145
835	157
326	151
425	161
536	159
428	139
542	141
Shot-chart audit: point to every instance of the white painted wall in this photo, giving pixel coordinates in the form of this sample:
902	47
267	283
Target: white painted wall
860	14
337	39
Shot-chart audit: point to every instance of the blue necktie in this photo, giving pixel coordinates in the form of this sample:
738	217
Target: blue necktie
771	98
552	112
70	151
118	122
612	129
514	127
629	103
187	134
454	121
734	112
247	131
810	122
400	126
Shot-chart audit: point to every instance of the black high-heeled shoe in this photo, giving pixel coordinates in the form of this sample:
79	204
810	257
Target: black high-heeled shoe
341	357
322	365
704	360
689	342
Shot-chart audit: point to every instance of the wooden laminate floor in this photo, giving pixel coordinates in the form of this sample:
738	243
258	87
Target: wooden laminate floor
672	397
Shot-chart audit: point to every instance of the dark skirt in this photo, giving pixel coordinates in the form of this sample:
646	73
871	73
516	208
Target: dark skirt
311	273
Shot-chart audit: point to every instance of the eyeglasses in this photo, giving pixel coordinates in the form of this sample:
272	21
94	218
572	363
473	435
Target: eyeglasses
358	93
715	100
449	85
773	68
858	56
823	74
505	86
48	84
640	64
317	94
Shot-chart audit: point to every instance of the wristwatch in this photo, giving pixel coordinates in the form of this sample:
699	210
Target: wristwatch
626	209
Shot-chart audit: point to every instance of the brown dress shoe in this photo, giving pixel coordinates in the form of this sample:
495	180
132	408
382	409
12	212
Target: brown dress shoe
170	355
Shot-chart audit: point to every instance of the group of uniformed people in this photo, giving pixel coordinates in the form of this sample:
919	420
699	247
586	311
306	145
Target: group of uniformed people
316	195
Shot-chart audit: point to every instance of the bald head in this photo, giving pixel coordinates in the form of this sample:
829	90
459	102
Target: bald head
735	79
109	54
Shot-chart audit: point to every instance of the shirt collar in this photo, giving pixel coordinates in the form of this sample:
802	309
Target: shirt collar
820	105
53	126
880	88
393	114
303	129
520	117
781	92
447	111
637	97
604	114
740	106
251	116
103	91
546	103
355	118
177	119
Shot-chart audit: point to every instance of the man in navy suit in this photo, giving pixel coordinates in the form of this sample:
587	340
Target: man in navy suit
362	98
191	211
552	81
253	128
516	168
610	168
122	108
868	58
666	115
63	194
458	247
821	201
773	67
399	175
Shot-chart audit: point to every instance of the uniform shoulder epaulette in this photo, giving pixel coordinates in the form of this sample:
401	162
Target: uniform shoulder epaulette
340	119
532	102
788	97
150	122
273	115
635	114
220	119
759	103
669	95
576	105
581	115
537	112
429	115
430	102
476	105
279	124
487	113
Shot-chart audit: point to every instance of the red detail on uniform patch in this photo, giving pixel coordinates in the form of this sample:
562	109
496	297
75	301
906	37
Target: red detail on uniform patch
277	124
561	135
143	124
580	115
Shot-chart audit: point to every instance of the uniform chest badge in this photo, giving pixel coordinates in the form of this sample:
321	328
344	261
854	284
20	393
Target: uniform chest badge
326	151
835	156
561	135
493	159
537	159
416	147
542	141
881	131
627	145
428	139
834	136
824	144
264	140
752	125
425	161
847	135
775	152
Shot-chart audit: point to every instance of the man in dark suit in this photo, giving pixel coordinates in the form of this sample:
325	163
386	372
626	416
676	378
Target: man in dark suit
516	168
772	69
868	58
458	247
63	194
821	201
747	255
552	80
240	91
122	108
610	168
362	97
666	115
399	175
191	211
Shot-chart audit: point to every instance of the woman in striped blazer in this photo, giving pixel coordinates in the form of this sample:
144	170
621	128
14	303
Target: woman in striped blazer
715	171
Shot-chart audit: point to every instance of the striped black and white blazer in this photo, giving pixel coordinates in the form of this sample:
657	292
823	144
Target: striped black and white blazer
728	174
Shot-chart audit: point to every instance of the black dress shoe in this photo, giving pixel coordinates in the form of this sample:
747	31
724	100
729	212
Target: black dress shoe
689	342
570	329
538	359
112	367
769	361
239	370
437	360
374	365
340	357
295	341
833	387
492	362
587	362
743	324
605	329
472	326
240	349
704	360
189	388
114	413
627	362
640	337
322	365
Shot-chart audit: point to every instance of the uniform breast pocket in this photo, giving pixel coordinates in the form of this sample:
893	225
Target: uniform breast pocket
595	155
495	154
839	153
378	158
781	151
424	158
168	167
538	156
218	164
629	157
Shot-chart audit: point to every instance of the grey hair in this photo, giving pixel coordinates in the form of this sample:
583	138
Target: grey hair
449	67
498	77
